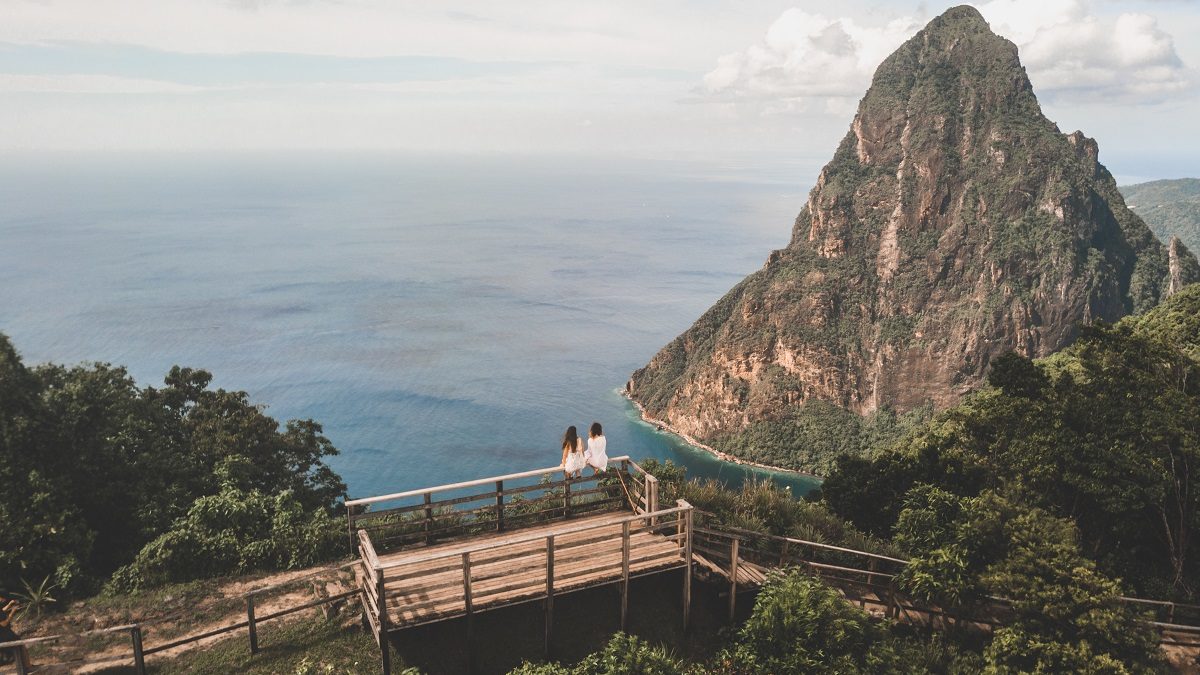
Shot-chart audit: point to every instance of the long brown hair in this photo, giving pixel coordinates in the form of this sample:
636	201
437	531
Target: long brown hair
570	439
596	430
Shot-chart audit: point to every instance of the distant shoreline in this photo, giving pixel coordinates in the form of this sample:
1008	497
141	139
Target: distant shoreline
723	456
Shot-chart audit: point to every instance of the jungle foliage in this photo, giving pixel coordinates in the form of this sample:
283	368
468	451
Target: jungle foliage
164	483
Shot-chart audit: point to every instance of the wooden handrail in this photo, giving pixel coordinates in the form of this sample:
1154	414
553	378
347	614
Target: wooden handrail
465	484
364	539
1177	605
534	536
54	638
791	540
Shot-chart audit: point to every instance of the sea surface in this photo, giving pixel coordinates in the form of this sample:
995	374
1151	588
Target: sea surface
444	318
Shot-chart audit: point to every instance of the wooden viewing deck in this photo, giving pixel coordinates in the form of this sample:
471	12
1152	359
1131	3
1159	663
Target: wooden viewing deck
536	535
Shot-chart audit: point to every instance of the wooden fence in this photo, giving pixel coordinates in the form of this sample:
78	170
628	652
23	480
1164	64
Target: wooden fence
429	515
744	557
137	631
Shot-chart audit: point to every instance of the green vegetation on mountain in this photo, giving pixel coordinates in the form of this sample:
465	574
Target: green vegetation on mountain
101	476
1170	207
954	224
1105	435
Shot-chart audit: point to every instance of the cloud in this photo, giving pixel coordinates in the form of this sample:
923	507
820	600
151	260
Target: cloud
805	58
810	61
89	84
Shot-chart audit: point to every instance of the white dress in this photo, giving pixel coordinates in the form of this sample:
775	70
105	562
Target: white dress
575	461
595	454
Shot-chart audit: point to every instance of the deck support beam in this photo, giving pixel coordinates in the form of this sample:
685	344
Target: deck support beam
624	573
385	653
466	570
549	591
687	568
733	570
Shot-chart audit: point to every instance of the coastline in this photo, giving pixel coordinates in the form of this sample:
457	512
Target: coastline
723	456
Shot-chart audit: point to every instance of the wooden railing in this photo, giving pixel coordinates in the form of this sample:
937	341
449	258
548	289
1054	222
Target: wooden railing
497	572
138	631
432	514
729	547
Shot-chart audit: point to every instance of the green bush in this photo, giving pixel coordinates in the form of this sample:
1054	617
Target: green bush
234	532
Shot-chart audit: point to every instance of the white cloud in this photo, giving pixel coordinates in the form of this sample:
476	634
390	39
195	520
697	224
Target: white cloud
89	84
811	61
807	56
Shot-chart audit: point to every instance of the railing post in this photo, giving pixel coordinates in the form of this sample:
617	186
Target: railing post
350	528
652	497
20	653
733	570
139	658
428	518
549	591
567	498
783	552
499	505
892	611
381	604
624	572
687	570
251	625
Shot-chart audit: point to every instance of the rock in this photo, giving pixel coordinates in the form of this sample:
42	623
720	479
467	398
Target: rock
954	223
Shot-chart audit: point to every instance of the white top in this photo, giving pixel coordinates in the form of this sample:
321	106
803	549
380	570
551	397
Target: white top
575	458
595	454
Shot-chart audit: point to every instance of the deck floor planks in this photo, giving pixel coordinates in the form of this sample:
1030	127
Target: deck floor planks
431	589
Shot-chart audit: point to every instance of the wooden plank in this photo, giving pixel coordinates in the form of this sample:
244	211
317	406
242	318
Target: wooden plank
578	572
560	529
481	545
566	569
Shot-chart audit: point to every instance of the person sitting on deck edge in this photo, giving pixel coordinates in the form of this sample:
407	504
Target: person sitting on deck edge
596	455
572	457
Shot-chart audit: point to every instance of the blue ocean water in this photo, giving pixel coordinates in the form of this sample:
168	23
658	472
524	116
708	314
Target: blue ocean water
444	318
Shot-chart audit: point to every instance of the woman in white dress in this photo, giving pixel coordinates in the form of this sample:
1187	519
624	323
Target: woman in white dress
572	457
596	455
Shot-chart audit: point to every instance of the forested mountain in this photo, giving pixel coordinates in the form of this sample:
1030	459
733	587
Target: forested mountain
955	223
1170	207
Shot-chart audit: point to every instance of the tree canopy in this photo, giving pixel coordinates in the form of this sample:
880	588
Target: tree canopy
94	468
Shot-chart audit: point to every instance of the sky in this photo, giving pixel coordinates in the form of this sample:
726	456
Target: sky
661	79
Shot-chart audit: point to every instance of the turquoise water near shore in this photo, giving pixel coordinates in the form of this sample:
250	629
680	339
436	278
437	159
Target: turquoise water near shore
443	318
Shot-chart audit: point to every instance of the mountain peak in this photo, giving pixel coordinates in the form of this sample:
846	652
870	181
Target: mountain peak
955	223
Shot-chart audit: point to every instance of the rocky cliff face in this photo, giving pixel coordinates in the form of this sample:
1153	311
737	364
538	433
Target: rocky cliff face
955	223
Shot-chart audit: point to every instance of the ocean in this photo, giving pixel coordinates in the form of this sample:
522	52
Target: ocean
444	318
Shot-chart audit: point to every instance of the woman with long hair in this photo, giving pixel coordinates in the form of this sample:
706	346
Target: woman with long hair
572	453
596	455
